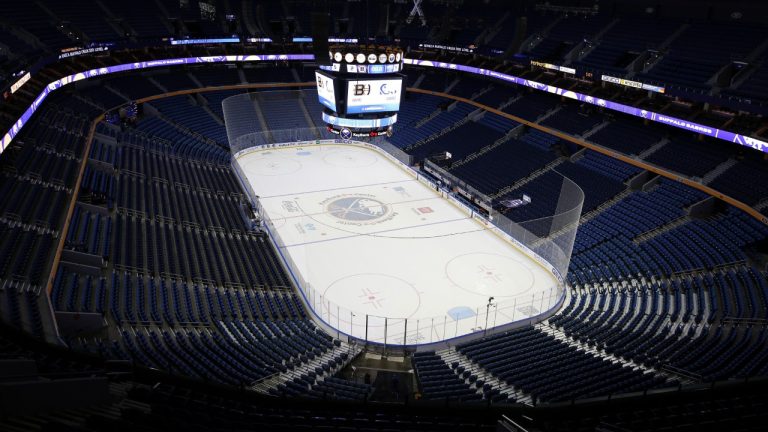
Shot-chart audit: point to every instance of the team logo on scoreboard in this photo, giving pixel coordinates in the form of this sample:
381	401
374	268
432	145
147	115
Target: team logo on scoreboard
386	90
361	89
345	134
358	209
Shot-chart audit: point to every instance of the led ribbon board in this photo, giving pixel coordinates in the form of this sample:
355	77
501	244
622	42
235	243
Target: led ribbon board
204	41
650	115
93	73
615	106
359	123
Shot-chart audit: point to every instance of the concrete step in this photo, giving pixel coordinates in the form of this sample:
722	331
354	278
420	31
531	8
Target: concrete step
661	229
652	149
450	356
718	171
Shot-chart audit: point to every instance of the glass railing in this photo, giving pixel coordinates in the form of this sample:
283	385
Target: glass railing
547	240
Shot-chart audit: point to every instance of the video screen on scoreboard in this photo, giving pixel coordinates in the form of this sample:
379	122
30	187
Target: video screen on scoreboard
325	90
373	96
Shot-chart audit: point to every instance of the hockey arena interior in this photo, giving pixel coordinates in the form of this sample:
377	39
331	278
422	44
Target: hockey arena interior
384	215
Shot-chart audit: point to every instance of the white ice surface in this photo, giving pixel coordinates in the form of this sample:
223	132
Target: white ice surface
365	237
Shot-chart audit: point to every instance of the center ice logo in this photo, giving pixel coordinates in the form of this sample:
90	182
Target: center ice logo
357	208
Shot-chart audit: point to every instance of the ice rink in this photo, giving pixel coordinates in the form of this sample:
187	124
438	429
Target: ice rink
367	240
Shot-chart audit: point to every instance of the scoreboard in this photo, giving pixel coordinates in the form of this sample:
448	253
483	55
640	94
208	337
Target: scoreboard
374	95
352	95
361	91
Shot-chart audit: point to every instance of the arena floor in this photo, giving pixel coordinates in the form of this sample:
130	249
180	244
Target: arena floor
367	240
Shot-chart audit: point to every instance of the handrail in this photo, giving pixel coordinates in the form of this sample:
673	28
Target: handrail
73	201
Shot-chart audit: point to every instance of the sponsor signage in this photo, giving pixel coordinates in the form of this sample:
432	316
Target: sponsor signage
349	134
23	80
447	48
204	41
78	52
551	66
633	84
330	39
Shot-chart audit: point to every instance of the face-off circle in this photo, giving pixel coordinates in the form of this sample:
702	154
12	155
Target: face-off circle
375	294
350	159
487	274
277	220
273	166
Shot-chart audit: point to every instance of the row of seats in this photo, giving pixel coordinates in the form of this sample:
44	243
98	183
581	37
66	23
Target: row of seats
551	370
436	125
502	166
181	110
89	232
573	120
639	325
437	381
136	298
702	50
627	136
460	142
240	355
39	172
183	206
675	155
694	245
624	42
24	254
141	245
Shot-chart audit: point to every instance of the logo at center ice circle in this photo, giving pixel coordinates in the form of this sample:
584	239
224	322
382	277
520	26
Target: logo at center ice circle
357	208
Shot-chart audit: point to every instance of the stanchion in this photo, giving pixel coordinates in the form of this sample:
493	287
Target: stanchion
405	332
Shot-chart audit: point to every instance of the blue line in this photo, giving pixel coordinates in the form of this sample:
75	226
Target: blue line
389	230
338	188
393	203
